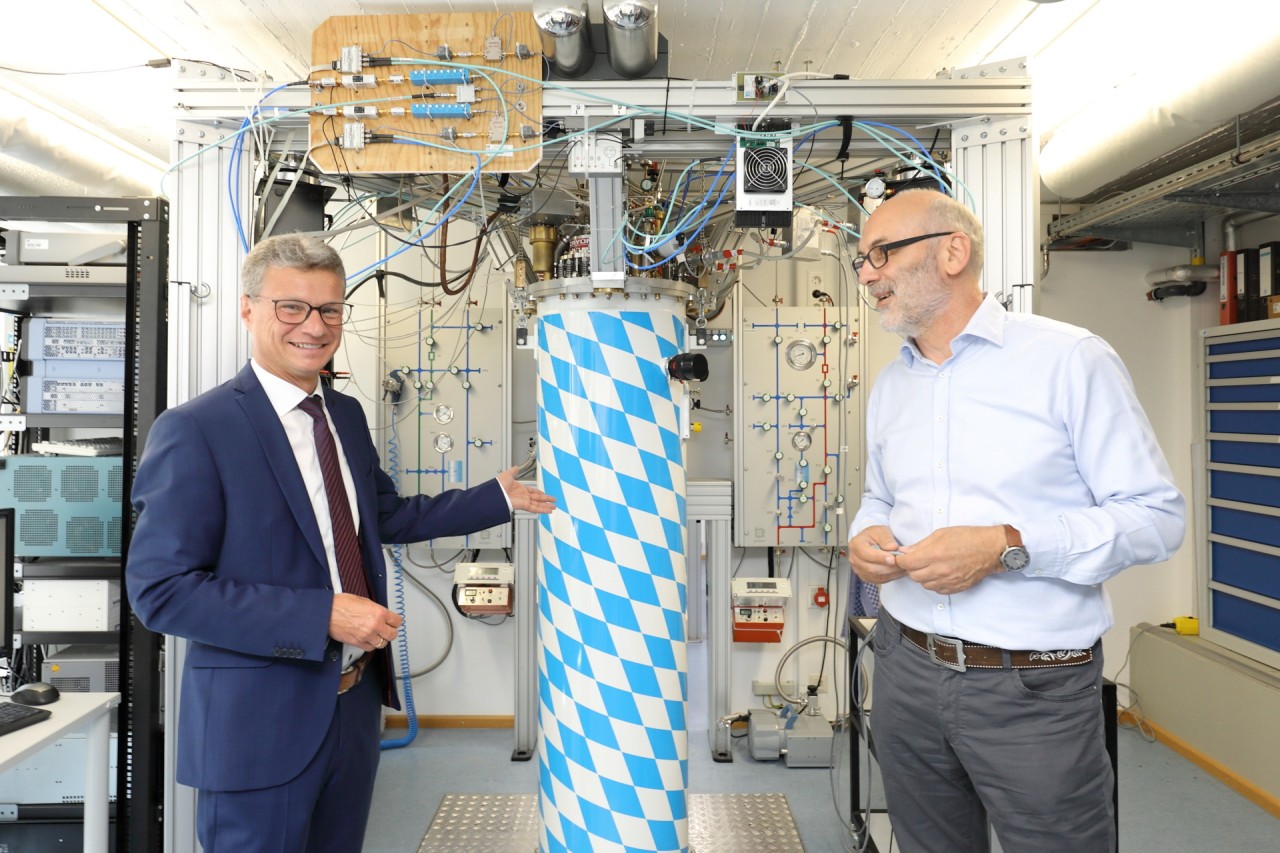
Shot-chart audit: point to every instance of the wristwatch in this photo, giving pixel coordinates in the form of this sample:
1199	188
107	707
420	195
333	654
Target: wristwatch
1014	558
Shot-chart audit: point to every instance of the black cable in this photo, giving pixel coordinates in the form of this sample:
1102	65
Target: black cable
72	73
381	274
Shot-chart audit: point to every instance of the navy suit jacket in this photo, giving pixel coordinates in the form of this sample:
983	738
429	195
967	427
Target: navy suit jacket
226	552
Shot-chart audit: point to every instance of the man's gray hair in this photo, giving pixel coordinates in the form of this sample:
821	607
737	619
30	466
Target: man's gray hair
947	214
288	251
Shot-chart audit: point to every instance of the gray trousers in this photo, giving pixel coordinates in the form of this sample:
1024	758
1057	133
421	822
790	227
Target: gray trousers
1022	747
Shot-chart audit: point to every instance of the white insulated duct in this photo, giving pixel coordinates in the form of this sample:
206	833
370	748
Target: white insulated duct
69	155
1161	109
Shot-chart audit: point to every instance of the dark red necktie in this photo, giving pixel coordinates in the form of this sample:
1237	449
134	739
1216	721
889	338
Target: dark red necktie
345	543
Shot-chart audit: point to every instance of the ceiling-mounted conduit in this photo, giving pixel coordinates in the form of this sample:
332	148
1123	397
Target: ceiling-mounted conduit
1159	110
52	146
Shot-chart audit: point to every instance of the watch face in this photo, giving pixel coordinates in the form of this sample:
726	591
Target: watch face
1015	558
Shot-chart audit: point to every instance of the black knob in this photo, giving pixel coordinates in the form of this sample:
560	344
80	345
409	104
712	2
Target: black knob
688	365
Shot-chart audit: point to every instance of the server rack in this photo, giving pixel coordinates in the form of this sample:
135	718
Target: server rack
140	762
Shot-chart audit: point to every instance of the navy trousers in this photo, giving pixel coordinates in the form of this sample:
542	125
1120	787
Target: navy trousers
325	809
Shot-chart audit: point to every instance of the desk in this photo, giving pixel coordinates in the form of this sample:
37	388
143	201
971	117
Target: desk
856	632
74	713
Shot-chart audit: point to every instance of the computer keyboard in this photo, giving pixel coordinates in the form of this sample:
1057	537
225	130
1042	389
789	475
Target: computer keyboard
113	446
14	716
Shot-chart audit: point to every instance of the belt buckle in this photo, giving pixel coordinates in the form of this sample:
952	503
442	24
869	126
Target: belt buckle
955	643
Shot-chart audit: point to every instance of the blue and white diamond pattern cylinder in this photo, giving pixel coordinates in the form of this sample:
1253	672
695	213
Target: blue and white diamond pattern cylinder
613	746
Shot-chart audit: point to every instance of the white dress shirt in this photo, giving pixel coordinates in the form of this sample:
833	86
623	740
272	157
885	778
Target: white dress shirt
1034	423
285	397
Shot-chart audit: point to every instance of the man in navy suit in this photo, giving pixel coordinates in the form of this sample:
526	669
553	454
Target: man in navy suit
239	547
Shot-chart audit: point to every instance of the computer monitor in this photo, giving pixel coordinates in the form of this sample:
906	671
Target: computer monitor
7	524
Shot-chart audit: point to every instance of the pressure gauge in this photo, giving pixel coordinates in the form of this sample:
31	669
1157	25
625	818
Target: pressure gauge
443	414
802	354
802	440
443	442
874	188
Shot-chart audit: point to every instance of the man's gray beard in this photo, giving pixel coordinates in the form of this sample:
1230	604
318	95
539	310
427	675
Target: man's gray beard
924	277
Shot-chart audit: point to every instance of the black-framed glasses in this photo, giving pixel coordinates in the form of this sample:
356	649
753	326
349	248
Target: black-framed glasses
295	311
878	256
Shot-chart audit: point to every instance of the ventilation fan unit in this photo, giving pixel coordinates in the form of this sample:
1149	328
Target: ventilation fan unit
764	187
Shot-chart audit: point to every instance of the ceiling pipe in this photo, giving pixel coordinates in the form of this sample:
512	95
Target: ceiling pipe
1234	221
54	157
1143	118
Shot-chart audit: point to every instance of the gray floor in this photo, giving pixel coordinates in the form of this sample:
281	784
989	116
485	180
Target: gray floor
1167	804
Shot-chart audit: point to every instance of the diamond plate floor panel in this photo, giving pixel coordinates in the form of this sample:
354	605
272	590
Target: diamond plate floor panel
718	823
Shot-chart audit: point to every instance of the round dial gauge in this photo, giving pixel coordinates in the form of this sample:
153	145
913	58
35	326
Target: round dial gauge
802	440
874	187
802	354
443	413
443	442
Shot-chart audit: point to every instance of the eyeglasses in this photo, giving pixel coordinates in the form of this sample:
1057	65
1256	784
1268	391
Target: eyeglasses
295	312
878	256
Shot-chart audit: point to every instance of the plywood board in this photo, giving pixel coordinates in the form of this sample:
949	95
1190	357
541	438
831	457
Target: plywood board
507	88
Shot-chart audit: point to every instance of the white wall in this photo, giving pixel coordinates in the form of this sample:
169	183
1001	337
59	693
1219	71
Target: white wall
1106	293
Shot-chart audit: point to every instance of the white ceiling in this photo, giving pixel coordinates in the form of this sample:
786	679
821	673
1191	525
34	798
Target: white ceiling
82	43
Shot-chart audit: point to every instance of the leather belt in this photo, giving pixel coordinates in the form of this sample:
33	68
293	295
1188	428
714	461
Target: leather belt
352	674
959	655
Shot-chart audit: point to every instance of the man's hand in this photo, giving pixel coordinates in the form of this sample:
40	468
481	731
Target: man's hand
527	498
873	553
362	622
953	559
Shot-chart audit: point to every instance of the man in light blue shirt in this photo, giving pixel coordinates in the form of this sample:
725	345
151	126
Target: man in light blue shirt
1010	472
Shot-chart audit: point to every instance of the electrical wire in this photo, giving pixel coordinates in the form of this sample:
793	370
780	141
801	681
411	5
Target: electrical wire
397	590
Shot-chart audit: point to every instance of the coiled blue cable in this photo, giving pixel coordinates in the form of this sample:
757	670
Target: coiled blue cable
397	581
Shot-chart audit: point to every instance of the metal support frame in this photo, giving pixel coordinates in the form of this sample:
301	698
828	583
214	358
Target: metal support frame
711	502
994	164
140	761
608	209
212	108
525	556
